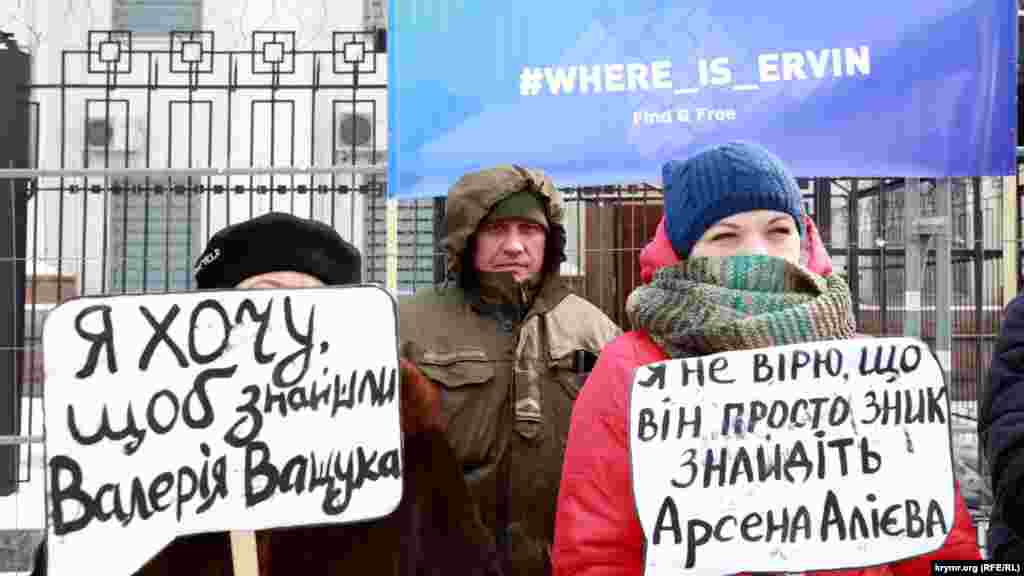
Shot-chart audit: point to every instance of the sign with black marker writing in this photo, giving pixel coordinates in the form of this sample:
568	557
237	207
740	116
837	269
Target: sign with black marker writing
174	414
789	459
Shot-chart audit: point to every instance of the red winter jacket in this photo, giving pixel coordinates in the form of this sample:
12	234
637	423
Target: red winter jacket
597	531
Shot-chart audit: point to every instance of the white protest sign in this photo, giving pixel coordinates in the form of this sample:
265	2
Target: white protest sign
789	459
173	414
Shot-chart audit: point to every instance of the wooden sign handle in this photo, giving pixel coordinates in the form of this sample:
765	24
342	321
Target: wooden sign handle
244	554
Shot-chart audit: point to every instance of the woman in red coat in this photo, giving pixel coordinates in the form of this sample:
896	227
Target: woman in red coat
734	213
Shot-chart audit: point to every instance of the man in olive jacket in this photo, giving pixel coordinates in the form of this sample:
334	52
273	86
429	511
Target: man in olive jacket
509	347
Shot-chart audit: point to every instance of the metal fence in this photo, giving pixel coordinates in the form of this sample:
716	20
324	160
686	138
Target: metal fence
130	163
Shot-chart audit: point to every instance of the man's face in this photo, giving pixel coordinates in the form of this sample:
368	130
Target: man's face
281	280
510	245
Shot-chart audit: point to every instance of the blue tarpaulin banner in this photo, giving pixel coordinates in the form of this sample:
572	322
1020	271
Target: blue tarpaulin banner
604	91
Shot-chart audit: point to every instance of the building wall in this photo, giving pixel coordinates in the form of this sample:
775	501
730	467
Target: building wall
163	131
870	231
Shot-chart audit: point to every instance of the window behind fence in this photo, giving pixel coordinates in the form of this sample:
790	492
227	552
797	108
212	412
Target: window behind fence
157	16
154	238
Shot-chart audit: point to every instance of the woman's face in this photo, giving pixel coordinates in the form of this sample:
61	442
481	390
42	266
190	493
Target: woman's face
283	279
758	232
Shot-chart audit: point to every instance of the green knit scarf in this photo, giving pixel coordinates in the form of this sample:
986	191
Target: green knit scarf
717	304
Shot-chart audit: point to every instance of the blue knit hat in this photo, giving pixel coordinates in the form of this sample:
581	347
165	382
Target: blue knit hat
721	181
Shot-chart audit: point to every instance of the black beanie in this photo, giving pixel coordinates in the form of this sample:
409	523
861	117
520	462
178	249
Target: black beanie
277	242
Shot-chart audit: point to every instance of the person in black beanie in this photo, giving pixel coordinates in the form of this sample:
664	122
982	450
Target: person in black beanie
435	529
277	250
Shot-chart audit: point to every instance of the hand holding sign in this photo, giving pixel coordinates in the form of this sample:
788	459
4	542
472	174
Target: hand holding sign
181	413
421	401
793	458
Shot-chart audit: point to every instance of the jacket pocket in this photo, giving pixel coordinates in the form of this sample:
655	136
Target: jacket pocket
471	403
456	369
572	369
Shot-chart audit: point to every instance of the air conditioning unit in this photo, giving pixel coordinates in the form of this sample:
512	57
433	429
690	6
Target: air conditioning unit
375	14
116	133
361	157
355	141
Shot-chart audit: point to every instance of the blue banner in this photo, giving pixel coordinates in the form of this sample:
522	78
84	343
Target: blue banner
604	91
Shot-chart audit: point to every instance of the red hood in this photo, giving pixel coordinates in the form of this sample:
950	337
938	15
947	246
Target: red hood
659	253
